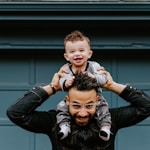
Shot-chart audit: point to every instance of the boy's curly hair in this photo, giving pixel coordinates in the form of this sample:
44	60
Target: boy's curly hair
76	36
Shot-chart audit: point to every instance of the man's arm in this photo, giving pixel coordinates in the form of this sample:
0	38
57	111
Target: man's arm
136	97
23	112
110	84
137	111
139	108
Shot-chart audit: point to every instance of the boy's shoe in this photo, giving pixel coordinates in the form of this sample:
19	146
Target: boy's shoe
104	134
64	131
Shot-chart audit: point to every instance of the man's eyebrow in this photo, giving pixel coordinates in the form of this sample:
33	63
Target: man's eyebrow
92	101
74	101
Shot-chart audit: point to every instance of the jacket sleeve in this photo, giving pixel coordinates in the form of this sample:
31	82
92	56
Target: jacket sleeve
137	111
101	78
23	112
64	78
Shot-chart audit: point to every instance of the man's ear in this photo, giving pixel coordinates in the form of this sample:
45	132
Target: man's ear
66	56
97	98
67	99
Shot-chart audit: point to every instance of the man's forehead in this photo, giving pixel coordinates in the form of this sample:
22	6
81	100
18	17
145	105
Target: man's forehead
77	95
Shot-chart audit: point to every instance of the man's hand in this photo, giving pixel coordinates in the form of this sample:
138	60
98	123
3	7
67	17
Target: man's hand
109	78
111	84
57	76
55	81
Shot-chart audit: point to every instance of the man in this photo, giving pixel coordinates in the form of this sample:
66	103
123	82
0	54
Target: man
81	100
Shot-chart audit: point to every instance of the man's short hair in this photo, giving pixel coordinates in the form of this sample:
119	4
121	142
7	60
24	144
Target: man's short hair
83	82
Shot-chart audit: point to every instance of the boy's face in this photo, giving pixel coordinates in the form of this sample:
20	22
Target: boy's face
77	53
82	105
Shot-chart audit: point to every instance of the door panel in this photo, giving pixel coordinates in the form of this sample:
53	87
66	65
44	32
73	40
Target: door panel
21	72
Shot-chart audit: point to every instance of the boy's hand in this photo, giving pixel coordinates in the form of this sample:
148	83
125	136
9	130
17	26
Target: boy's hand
69	81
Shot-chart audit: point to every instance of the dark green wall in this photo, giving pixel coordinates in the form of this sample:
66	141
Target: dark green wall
31	51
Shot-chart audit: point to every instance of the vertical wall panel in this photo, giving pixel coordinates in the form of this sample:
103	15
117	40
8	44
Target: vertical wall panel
37	69
14	138
134	138
31	51
14	70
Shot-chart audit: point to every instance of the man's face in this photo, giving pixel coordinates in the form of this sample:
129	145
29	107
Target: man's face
82	105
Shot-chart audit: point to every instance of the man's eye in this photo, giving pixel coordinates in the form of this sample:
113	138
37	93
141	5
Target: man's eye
76	106
89	106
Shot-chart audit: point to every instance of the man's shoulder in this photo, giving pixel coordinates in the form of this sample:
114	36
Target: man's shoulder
52	113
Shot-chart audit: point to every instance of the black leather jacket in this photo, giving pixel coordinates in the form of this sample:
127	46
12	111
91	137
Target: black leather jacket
24	115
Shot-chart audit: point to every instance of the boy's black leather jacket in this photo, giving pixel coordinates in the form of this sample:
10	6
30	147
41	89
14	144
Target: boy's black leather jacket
23	114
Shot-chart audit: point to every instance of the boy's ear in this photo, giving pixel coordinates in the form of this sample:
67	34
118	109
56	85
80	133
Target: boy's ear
90	53
66	56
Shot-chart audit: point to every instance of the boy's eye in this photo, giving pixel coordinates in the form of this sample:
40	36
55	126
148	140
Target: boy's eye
81	50
72	51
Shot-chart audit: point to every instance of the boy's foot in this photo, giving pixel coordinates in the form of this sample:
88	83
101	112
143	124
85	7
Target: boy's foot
64	131
104	134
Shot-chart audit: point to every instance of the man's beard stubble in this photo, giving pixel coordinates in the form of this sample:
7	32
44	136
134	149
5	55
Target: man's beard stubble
81	124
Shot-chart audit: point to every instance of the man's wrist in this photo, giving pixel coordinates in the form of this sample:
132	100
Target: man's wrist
48	89
127	91
52	87
116	87
40	92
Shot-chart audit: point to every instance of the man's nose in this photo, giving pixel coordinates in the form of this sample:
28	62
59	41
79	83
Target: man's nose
83	112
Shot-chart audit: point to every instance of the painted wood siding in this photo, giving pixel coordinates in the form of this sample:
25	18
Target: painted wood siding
31	51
